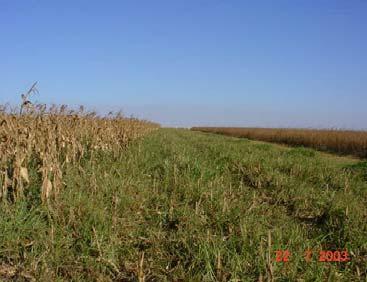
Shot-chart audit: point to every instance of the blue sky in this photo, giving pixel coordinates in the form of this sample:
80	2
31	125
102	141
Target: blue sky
293	63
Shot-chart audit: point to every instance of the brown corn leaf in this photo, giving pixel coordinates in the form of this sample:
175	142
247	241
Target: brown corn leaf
7	181
46	188
24	174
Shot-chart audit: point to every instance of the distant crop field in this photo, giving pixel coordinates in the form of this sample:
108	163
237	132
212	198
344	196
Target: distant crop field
339	141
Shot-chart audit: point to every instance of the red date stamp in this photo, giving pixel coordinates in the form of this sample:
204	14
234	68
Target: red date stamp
320	256
334	256
282	256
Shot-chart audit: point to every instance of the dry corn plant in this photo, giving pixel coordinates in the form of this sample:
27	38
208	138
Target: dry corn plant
53	137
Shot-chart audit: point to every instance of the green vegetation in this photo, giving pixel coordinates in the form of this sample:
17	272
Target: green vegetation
189	206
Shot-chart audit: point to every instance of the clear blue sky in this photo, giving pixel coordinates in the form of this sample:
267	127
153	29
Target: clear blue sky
299	63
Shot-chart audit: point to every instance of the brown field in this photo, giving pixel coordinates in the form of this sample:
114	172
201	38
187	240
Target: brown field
53	137
338	141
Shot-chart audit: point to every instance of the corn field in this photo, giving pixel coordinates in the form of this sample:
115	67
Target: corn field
53	137
347	142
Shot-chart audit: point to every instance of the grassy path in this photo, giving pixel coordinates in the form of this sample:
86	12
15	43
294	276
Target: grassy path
190	206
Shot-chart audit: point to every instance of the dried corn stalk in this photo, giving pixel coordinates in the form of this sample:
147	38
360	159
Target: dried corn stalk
55	137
